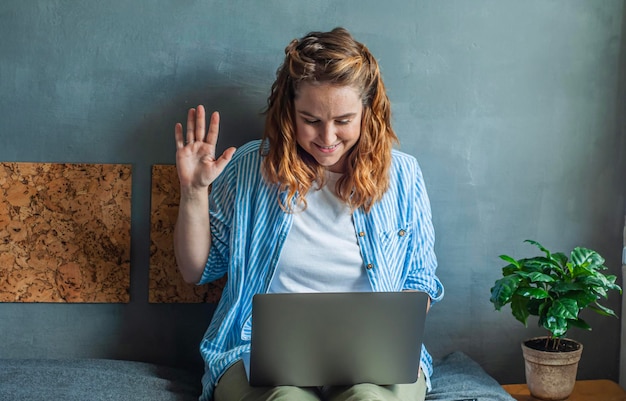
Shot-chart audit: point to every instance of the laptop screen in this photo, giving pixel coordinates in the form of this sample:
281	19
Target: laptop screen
316	339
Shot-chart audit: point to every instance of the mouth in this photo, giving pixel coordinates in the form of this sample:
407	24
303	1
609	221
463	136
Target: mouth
327	149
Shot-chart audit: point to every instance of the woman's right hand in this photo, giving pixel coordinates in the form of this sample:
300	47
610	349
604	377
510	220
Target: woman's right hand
196	163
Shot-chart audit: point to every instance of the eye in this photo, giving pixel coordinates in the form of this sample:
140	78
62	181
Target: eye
344	122
310	121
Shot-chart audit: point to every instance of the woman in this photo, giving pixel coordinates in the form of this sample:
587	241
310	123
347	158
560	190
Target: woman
323	185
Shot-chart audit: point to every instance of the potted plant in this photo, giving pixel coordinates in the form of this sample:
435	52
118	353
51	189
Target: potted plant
555	288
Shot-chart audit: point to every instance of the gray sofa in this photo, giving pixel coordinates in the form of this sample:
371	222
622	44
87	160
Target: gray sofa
457	377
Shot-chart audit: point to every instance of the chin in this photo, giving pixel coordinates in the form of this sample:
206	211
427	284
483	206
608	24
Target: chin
327	164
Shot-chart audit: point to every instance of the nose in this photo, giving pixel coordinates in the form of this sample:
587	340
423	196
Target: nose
328	134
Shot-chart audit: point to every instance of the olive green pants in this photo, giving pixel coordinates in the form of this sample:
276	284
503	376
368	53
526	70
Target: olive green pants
234	386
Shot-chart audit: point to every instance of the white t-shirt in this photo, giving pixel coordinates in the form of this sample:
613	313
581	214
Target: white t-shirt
321	253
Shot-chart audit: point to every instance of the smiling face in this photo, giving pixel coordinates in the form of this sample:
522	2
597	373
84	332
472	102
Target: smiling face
328	122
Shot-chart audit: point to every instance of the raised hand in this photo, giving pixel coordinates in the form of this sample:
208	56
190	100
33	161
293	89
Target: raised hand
196	161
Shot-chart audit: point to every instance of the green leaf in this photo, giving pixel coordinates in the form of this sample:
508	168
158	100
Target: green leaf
610	279
509	259
536	277
543	307
564	287
560	258
535	305
570	269
564	308
503	290
556	325
581	324
607	281
509	269
588	259
580	271
519	309
602	310
582	298
540	263
601	291
538	245
591	281
599	283
529	292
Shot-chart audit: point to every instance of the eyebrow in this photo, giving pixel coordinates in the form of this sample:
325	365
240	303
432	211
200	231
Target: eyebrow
341	117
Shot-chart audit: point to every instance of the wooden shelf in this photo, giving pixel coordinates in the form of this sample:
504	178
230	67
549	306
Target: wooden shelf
584	390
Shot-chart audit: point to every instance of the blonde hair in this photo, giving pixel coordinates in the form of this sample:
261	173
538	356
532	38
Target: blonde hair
329	57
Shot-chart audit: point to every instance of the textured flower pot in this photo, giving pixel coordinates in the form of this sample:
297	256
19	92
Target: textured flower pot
551	375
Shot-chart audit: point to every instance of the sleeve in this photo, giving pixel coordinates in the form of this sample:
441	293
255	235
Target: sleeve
423	264
221	201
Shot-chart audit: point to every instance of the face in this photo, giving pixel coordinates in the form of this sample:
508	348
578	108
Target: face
328	122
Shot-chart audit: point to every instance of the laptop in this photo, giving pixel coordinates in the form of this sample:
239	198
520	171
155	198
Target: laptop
319	339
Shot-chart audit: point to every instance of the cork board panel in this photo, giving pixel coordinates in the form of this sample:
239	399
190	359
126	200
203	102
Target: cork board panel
64	232
166	282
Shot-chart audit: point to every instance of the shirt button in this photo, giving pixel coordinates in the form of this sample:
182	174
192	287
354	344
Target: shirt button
369	266
361	234
402	233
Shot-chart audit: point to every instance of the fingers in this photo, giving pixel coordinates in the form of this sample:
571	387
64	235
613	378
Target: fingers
196	128
214	129
178	136
191	125
225	158
200	124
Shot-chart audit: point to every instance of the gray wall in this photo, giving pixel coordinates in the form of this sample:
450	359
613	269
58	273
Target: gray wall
514	109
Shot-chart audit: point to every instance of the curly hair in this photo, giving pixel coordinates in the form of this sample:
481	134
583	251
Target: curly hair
333	57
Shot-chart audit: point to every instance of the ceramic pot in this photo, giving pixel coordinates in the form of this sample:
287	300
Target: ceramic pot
551	375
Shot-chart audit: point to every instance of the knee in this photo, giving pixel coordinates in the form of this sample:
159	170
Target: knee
290	393
366	392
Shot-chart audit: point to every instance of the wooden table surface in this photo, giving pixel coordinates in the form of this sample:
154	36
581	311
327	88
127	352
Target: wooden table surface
584	390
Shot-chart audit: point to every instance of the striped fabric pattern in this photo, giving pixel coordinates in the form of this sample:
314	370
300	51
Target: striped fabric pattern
248	229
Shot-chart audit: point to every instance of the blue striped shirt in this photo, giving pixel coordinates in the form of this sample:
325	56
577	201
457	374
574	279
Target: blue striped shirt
248	229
